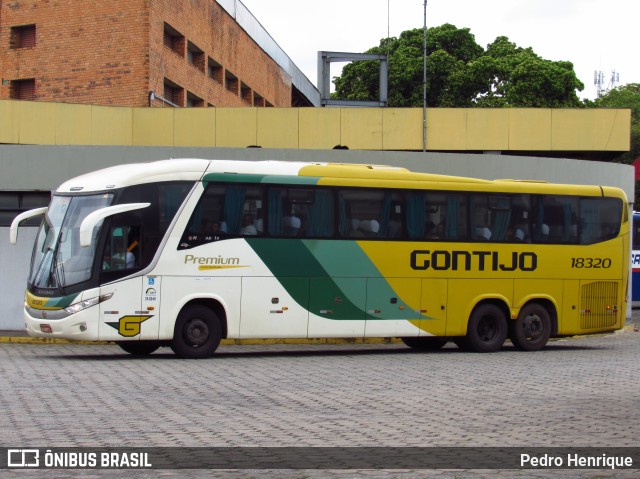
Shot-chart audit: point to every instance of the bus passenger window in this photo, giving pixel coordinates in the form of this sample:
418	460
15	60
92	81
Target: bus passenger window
555	219
446	217
599	219
369	213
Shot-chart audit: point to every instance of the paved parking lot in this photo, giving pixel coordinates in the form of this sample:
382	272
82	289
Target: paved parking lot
577	392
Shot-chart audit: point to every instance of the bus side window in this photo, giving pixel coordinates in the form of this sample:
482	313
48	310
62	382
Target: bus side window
369	213
436	216
600	219
636	231
288	208
123	249
481	219
555	219
242	210
206	219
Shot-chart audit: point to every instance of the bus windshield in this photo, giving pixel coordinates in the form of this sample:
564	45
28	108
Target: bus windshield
58	259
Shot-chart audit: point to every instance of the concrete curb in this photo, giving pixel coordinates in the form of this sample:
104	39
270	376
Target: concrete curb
19	337
30	340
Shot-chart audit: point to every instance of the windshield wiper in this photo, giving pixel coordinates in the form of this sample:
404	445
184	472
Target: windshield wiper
40	271
57	265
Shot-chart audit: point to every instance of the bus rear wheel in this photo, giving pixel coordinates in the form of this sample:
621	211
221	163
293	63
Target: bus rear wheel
138	348
432	343
197	333
532	329
487	329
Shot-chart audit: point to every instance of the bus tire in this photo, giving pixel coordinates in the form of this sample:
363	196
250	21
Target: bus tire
532	329
197	333
431	343
139	348
487	329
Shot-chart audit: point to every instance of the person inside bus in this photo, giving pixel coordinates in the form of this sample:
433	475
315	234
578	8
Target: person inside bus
291	225
394	226
211	231
544	232
248	228
437	231
121	259
514	235
483	234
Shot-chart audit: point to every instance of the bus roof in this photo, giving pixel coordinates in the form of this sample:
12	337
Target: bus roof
336	174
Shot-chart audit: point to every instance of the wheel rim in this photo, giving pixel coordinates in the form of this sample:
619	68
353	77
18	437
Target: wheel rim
196	332
487	329
532	327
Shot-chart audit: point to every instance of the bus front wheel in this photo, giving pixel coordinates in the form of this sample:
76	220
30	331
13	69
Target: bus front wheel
531	330
487	329
197	333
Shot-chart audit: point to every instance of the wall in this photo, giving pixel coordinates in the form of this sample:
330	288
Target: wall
208	26
113	53
448	129
86	51
15	261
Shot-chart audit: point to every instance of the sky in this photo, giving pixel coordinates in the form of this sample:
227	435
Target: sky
594	35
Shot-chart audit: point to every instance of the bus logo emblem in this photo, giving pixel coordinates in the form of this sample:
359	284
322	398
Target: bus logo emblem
129	326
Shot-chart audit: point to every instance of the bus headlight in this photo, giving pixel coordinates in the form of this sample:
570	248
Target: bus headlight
87	303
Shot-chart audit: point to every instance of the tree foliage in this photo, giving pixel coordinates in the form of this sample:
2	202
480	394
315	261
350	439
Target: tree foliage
460	73
626	96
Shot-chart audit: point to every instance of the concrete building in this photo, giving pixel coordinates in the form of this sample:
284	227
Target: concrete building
198	53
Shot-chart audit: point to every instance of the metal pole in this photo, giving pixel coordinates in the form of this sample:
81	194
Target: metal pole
424	82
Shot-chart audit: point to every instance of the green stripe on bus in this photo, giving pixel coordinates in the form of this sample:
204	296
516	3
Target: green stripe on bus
329	278
252	178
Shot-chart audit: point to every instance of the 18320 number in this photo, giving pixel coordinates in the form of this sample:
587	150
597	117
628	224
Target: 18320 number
586	263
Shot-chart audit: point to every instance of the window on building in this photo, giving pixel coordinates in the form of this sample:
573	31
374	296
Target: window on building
231	82
173	93
195	56
215	71
257	99
246	93
12	203
174	40
23	36
194	101
23	89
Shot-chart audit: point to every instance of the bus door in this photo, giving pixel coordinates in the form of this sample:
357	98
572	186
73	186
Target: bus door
131	312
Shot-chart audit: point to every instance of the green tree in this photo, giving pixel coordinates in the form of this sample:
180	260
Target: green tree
520	78
460	73
626	96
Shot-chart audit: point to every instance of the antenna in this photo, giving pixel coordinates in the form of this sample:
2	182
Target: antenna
599	82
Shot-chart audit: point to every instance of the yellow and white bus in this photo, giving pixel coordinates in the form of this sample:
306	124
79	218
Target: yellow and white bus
183	253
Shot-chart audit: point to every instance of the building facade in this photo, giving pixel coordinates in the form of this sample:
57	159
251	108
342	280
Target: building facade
139	53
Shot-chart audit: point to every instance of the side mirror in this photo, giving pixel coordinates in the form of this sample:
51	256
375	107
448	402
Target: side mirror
13	231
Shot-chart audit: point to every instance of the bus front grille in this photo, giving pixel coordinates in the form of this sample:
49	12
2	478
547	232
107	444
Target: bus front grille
599	305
